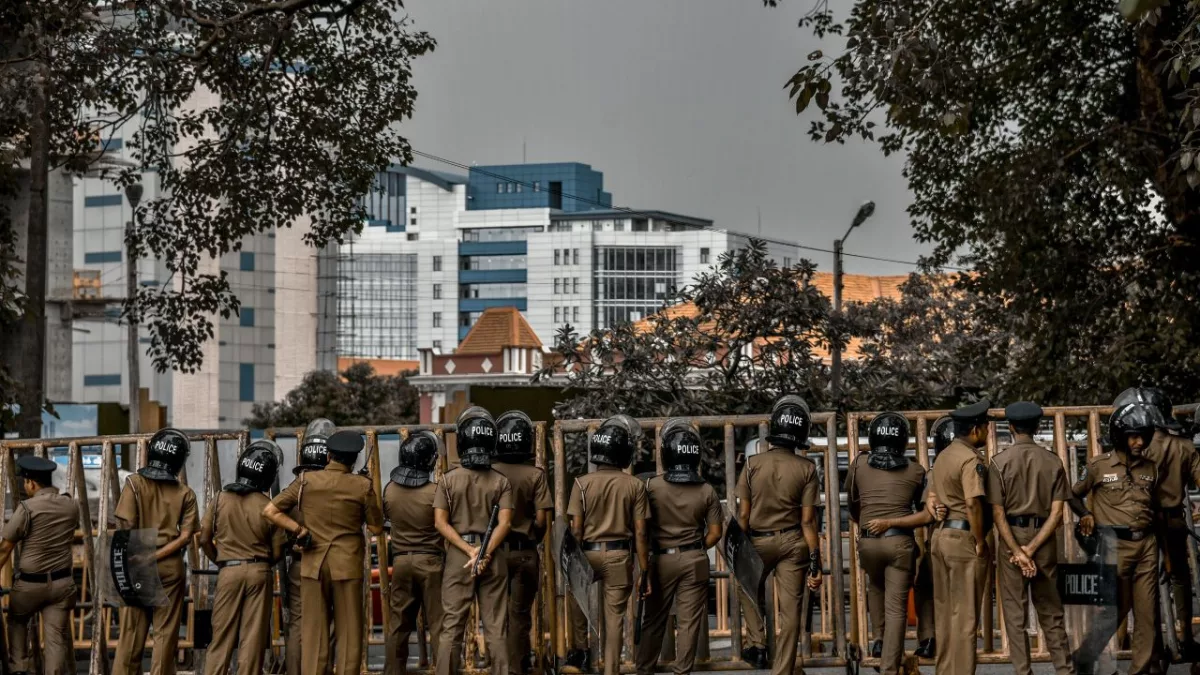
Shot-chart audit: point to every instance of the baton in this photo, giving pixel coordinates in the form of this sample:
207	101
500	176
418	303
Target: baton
641	610
485	541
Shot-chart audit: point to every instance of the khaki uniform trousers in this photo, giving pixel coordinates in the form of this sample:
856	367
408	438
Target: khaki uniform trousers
756	632
680	579
1175	543
923	586
787	555
579	624
959	577
1014	592
54	600
616	576
523	583
459	589
345	599
1137	573
241	618
416	586
890	564
135	624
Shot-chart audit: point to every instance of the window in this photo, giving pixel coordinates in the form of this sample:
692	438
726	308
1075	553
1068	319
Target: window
412	210
437	345
557	314
97	257
576	256
437	263
510	188
412	221
575	314
557	257
246	382
575	286
520	186
247	317
537	186
413	236
101	380
787	262
437	291
704	256
499	188
247	261
102	200
437	319
557	286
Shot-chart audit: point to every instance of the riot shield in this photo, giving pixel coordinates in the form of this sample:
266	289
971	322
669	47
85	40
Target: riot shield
132	572
1088	587
743	559
578	573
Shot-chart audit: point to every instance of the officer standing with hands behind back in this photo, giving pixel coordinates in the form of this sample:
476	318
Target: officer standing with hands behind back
312	455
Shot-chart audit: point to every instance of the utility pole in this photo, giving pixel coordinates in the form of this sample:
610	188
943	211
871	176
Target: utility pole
134	194
835	368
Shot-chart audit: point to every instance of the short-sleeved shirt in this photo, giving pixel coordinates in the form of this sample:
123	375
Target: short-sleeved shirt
167	506
778	484
1178	466
410	511
530	495
234	529
681	512
1026	479
46	522
881	493
960	475
610	501
1121	491
468	495
335	504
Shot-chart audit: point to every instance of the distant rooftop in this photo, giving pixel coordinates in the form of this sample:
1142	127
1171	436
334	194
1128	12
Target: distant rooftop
616	214
442	179
496	329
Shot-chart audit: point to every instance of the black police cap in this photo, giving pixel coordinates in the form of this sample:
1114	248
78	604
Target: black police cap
345	442
976	412
35	468
1023	411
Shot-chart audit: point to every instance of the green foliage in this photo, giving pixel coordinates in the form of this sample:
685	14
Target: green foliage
1053	148
357	397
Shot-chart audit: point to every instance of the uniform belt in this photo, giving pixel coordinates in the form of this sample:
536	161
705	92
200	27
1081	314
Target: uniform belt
771	533
1026	521
964	525
472	538
519	544
235	563
397	554
606	545
890	532
1173	511
679	549
1128	533
36	578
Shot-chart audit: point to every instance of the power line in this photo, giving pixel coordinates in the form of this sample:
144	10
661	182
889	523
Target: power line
623	209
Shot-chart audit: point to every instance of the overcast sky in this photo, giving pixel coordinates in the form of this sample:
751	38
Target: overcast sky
680	103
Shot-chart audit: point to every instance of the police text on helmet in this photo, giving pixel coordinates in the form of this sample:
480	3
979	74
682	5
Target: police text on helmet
789	418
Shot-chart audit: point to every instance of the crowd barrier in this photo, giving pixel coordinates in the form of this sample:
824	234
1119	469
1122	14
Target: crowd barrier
838	635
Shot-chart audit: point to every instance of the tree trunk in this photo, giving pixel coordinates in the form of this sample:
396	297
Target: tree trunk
29	368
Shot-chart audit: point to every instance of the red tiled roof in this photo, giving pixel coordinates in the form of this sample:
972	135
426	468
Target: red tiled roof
497	328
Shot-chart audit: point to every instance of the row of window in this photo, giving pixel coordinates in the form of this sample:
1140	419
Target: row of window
486	291
566	315
493	262
500	233
566	256
510	187
565	286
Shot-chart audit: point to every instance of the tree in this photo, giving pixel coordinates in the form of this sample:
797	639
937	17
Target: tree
358	397
251	114
1050	146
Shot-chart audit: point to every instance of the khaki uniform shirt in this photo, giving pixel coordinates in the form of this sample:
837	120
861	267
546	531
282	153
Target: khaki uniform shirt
1178	466
884	494
778	484
959	476
1026	479
335	504
610	501
530	495
168	507
46	522
1121	492
235	529
468	495
681	512
410	511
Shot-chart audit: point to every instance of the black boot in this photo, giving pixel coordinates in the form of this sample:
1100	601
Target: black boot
579	659
756	657
927	649
876	649
1189	651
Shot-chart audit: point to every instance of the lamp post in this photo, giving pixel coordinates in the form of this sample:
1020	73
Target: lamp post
835	371
134	194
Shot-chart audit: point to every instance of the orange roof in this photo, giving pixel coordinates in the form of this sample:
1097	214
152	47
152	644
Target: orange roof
497	328
383	367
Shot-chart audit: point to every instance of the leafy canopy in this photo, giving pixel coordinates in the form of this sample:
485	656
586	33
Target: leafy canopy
358	397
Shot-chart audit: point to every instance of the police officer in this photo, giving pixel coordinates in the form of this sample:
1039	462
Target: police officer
463	508
608	510
43	584
686	521
960	549
244	546
531	508
312	455
1120	487
778	493
1027	488
154	498
1173	451
417	553
334	504
884	491
943	435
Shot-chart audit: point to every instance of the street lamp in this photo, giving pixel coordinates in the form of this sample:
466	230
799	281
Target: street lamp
133	193
865	211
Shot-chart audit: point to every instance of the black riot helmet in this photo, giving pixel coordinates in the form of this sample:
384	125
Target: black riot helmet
615	441
257	467
943	433
1133	419
681	451
790	423
320	427
418	457
514	440
166	455
313	453
476	438
1150	397
1160	400
888	437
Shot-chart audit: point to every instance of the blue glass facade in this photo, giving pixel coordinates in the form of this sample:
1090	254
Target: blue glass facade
565	186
